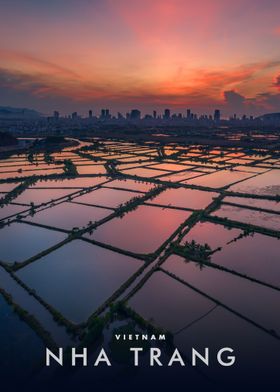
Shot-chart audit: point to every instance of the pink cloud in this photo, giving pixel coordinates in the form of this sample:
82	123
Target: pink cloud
159	22
277	82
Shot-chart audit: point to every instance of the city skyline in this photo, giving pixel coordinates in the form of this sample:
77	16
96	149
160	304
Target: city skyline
176	54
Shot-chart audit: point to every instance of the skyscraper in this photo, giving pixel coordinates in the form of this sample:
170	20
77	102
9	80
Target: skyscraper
135	114
166	115
56	114
217	115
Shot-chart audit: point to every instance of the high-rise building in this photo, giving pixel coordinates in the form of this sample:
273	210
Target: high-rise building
217	115
56	114
154	114
74	115
90	113
135	114
166	115
189	113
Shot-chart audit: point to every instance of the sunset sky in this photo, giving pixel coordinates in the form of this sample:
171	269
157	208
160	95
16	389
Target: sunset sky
148	54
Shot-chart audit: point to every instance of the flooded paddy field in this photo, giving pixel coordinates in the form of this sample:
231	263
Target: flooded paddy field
266	184
68	215
106	197
69	276
214	235
268	220
7	211
29	240
130	185
78	183
220	178
20	346
30	304
40	196
256	203
172	316
140	231
237	293
185	198
186	237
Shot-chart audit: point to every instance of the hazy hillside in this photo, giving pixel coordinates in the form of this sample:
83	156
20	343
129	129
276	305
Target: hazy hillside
10	112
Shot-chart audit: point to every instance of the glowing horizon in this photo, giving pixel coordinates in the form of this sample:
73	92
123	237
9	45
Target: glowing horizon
152	54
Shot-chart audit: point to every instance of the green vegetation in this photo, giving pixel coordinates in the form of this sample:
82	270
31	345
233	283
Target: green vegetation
30	157
17	191
115	307
195	251
48	158
69	168
57	316
122	310
133	203
93	332
30	320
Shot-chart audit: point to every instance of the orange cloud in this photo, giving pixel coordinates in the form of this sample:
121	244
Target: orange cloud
277	82
196	82
21	60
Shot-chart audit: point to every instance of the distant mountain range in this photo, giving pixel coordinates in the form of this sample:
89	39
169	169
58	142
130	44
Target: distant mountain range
10	112
270	116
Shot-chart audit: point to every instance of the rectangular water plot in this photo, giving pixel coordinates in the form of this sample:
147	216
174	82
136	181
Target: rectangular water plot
171	167
106	197
180	176
78	277
185	198
254	301
256	256
20	241
220	178
11	209
219	328
29	173
20	346
131	185
8	187
91	169
142	231
144	172
258	203
42	196
252	217
214	235
80	182
265	184
69	216
168	304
